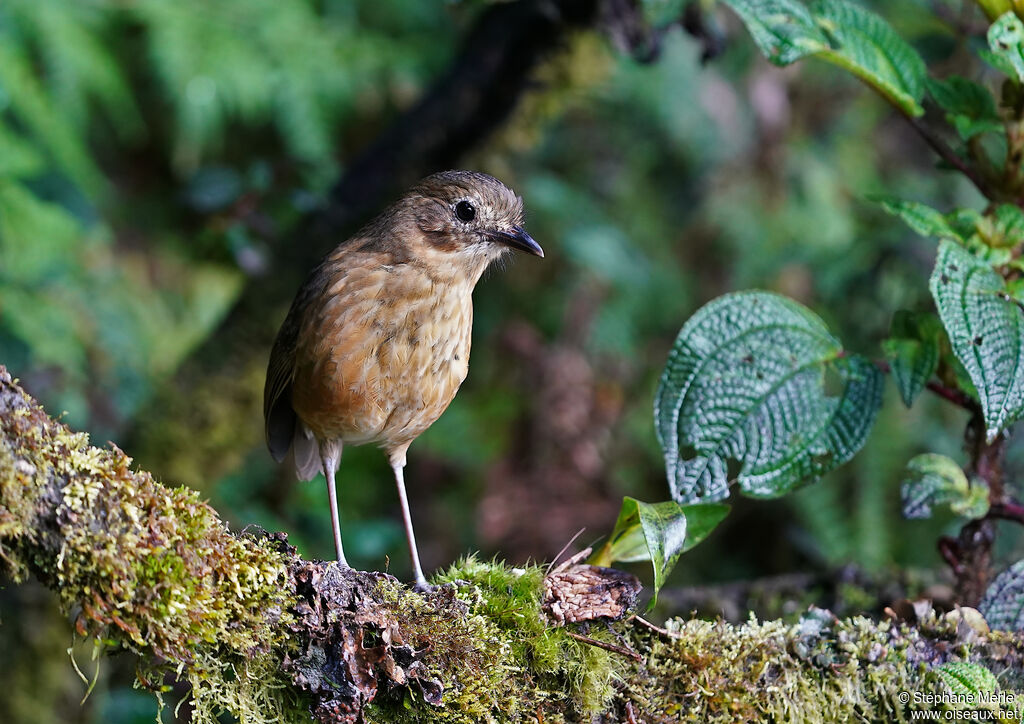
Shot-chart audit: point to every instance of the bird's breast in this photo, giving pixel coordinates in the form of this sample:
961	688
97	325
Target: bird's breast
387	354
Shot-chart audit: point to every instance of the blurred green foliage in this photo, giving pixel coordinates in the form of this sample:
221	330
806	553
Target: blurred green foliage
150	152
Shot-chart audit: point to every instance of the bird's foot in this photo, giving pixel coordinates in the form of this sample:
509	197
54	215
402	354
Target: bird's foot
423	587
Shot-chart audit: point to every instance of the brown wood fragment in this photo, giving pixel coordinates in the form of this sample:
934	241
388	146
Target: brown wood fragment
575	592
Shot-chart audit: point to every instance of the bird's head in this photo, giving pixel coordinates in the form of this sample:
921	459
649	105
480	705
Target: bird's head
468	219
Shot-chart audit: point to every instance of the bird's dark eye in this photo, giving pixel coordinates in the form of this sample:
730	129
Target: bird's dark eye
465	211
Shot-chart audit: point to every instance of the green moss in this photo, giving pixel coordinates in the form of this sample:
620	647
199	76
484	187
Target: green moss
152	569
145	567
499	659
821	669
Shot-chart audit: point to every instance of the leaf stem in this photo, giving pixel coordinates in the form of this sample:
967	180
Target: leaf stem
950	394
607	646
1007	510
949	156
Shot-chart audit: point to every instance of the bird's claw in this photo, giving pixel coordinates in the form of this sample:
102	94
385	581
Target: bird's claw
424	587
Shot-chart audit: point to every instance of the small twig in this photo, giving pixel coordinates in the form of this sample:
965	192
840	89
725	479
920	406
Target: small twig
630	715
564	549
952	395
607	646
949	549
1007	510
652	627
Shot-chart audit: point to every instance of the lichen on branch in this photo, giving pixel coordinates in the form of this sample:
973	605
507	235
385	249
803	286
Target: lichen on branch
258	632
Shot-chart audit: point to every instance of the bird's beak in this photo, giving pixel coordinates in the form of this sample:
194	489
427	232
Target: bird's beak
517	239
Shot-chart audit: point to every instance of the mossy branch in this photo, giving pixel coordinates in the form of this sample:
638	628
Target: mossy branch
260	633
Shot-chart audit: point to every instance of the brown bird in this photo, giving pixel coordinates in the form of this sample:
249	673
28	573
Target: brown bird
376	343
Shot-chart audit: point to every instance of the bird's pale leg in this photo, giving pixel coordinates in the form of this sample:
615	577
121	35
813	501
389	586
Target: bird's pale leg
398	465
330	453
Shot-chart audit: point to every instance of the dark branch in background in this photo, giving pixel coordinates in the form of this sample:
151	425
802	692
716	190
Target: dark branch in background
472	99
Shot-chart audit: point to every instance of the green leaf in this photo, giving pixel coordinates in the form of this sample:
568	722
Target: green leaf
652	531
842	33
646	531
784	30
1006	39
925	220
35	110
1004	227
966	680
969	106
986	331
701	519
1003	603
867	46
756	390
17	157
932	480
913	351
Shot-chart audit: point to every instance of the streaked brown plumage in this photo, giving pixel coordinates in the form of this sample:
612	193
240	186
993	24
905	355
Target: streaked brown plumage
376	343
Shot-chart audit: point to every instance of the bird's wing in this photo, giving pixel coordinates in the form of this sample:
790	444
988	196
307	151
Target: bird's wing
278	416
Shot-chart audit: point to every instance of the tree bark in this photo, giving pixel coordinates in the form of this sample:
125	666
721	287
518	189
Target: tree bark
260	633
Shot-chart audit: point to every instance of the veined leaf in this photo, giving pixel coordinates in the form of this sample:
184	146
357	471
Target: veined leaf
936	479
969	106
1003	604
784	30
756	390
967	680
925	220
913	352
986	330
1006	39
843	33
867	46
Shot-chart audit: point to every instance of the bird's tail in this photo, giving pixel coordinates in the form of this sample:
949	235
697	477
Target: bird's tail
307	453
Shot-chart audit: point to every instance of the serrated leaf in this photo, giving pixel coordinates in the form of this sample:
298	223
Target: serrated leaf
1003	603
1006	39
966	680
986	331
969	106
757	390
784	30
923	219
913	351
932	480
842	33
866	45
